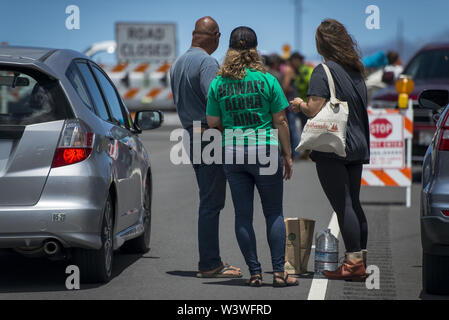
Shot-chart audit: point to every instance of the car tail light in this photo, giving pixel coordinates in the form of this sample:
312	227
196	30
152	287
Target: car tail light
443	142
75	144
445	212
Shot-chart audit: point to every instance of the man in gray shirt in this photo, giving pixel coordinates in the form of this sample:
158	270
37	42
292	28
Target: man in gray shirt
191	75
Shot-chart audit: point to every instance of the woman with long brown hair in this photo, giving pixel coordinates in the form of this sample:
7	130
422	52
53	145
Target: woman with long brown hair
340	177
247	103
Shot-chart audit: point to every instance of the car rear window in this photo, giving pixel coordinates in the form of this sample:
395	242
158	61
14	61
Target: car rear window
430	64
29	97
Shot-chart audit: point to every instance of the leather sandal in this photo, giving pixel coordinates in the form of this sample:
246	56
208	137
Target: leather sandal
255	281
284	282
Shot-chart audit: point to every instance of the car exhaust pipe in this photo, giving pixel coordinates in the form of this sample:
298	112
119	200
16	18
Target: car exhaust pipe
52	248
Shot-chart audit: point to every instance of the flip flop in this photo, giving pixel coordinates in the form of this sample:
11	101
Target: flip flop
232	267
220	273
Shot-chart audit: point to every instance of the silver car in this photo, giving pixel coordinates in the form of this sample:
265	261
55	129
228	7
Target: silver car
435	197
75	179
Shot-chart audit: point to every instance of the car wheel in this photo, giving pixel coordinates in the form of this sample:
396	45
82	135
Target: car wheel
141	244
96	265
435	274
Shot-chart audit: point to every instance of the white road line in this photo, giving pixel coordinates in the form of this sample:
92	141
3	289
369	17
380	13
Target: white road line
319	286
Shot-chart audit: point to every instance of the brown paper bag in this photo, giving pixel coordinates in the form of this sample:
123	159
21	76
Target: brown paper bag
299	233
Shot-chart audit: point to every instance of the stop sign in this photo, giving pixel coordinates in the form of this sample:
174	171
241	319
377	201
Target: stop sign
381	128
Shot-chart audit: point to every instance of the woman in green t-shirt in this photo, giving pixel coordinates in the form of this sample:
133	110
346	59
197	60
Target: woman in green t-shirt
247	104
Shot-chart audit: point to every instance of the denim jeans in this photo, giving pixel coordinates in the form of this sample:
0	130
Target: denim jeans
212	190
242	179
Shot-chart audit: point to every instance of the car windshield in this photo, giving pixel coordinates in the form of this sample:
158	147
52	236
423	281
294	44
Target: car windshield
29	98
431	64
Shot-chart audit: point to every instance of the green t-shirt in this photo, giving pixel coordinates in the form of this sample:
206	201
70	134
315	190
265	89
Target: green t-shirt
248	105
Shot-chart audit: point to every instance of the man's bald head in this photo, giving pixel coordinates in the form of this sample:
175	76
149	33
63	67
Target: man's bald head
206	34
206	24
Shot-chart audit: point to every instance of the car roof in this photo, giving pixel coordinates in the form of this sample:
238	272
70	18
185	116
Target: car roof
52	61
436	46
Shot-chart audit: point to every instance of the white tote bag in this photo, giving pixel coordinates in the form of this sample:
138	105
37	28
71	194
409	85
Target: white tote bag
326	132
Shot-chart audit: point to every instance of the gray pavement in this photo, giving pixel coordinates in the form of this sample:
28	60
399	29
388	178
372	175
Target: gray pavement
168	270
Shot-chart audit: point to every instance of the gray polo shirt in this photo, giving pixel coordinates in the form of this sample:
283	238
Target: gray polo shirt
190	76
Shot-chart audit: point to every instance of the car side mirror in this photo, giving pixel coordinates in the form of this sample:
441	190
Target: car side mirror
147	120
433	99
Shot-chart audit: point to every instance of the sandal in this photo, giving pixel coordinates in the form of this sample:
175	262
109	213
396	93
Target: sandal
284	282
220	273
255	280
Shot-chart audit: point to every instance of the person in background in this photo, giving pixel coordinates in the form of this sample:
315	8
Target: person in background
191	75
340	177
384	69
248	102
376	60
394	67
273	62
290	72
302	80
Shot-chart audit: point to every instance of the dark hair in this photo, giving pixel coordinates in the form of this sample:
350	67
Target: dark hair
243	38
334	43
392	57
241	54
296	55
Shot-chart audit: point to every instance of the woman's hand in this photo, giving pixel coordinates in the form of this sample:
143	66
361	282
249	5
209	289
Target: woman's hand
296	104
309	108
287	163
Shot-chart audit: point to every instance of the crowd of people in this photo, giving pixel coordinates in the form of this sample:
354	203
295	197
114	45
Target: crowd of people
293	73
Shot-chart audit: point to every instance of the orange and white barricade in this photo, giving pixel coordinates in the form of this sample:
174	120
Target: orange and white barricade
142	84
391	134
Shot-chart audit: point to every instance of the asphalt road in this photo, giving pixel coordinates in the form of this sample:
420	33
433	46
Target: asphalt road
168	270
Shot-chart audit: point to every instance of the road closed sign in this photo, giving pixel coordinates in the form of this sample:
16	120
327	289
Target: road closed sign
387	141
145	42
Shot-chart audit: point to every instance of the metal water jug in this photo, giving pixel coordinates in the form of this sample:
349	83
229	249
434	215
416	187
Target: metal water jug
326	252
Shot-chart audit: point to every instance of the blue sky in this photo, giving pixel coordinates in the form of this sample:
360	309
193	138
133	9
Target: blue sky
42	23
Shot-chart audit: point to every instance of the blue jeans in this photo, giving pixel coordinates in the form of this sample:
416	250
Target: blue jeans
212	188
242	179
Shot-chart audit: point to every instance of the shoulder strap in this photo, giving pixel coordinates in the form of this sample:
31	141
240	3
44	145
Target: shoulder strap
330	80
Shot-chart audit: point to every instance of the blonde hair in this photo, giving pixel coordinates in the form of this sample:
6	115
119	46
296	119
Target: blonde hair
236	62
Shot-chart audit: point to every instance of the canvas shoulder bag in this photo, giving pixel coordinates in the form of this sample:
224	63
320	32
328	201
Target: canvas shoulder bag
326	132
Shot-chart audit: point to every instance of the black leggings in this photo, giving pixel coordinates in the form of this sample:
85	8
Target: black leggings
341	184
